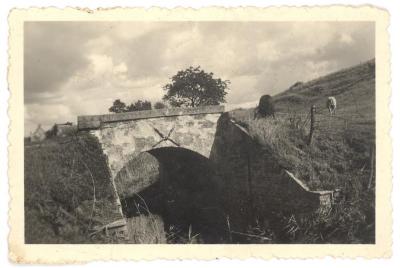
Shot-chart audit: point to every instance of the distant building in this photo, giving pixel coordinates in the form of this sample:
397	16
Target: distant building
38	135
62	130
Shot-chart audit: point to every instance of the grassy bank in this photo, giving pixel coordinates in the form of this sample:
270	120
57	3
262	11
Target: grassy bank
67	190
340	156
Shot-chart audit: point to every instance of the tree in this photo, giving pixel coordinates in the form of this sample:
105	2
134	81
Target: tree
159	105
194	87
139	106
118	107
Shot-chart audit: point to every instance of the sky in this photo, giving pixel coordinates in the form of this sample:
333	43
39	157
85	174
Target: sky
80	68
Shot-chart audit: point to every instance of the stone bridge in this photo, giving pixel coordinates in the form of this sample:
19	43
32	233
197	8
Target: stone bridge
123	136
198	159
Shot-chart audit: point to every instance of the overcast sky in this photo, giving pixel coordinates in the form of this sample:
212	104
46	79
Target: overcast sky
78	68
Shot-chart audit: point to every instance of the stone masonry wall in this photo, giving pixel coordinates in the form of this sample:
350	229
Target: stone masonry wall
124	136
193	129
254	184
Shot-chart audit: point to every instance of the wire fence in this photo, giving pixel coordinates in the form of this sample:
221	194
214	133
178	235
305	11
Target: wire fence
326	124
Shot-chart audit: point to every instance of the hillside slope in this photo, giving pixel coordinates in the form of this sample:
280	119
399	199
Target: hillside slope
341	155
353	88
342	143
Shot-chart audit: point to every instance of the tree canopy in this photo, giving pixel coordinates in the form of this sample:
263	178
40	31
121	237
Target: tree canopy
159	105
139	106
194	87
120	107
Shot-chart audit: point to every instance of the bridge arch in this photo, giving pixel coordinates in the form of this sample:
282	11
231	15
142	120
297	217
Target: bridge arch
179	185
125	135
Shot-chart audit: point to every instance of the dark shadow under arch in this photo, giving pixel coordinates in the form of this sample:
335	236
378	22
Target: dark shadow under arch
186	194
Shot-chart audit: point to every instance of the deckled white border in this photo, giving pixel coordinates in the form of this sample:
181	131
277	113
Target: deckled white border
22	253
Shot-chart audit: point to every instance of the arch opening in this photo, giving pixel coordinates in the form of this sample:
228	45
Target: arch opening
179	189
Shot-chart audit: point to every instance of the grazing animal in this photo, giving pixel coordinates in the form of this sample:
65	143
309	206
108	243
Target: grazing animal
331	105
265	107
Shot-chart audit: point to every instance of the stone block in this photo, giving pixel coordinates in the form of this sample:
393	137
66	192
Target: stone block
95	121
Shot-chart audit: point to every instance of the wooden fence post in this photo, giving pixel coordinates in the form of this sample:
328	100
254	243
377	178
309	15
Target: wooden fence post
312	124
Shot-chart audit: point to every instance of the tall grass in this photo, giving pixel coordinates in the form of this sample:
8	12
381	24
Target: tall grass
338	158
67	190
349	221
146	229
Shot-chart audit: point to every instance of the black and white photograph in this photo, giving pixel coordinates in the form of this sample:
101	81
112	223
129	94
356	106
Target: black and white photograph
190	132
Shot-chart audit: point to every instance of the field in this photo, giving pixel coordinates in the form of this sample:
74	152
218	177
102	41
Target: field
68	192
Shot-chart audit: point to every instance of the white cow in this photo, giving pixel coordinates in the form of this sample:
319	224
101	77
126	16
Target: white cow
331	105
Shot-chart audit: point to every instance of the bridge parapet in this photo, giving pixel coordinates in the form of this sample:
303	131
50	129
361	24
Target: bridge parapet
89	122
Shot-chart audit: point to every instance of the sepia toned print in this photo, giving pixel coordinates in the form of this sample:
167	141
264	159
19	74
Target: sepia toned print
211	131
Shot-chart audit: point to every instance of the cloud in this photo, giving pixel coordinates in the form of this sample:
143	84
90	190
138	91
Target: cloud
74	68
53	51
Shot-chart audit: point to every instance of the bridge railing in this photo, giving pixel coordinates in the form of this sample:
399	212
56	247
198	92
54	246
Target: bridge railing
95	121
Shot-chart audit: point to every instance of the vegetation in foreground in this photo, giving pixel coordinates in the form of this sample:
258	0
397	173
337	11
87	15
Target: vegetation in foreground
67	191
